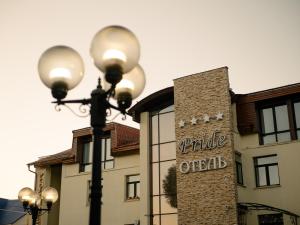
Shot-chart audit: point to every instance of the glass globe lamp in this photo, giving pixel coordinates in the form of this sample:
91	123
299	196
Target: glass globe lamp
35	200
132	82
61	69
50	196
25	195
115	50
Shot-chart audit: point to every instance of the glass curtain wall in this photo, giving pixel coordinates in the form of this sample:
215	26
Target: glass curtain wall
163	167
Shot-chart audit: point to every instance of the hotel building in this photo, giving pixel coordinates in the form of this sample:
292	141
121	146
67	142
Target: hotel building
203	155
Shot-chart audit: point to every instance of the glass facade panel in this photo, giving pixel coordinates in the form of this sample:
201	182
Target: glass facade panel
163	153
156	220
168	109
282	119
166	206
155	205
155	181
169	219
166	127
164	172
268	122
154	133
155	153
168	151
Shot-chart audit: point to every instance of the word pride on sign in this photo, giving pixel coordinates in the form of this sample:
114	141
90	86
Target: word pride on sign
212	163
215	140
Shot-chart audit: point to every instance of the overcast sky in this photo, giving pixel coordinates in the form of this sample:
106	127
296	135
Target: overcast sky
259	40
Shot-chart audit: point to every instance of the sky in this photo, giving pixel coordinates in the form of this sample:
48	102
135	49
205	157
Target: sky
258	40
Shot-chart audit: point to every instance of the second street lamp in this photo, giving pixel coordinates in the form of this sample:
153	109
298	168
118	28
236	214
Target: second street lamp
115	51
32	202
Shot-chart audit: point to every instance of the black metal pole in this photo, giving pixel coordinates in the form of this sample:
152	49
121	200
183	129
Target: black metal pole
99	106
34	213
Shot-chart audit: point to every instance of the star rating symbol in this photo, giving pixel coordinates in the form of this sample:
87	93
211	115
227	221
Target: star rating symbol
206	118
219	116
181	123
194	121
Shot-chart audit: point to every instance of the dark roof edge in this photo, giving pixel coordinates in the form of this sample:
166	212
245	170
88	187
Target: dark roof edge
152	101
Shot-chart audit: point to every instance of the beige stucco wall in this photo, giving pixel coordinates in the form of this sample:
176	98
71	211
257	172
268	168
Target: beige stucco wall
116	210
25	220
284	196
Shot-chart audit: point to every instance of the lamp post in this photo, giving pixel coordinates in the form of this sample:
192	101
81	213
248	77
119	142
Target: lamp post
32	202
115	52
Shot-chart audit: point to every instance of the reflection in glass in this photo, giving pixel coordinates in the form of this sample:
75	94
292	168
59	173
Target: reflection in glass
155	153
156	220
163	152
168	109
282	120
168	151
286	136
273	173
155	176
169	219
166	127
170	187
268	139
164	168
268	125
262	179
155	204
165	206
297	114
154	124
267	160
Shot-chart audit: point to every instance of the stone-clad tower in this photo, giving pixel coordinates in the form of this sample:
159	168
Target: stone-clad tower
206	186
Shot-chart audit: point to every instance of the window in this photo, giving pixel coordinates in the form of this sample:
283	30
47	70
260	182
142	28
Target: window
266	170
239	170
270	219
297	117
133	187
87	155
275	124
163	169
107	158
279	121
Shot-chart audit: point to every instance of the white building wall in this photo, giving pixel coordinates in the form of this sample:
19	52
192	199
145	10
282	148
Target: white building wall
116	210
284	196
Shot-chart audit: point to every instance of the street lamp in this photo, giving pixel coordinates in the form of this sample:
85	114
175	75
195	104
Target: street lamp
115	51
32	201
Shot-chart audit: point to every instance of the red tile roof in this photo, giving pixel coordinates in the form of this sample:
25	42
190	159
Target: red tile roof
125	140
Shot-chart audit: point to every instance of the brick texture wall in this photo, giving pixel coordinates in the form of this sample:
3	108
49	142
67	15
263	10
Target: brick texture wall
205	197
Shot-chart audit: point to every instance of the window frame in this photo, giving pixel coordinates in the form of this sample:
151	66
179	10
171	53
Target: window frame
267	174
273	214
289	101
162	110
104	161
135	184
237	166
82	165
